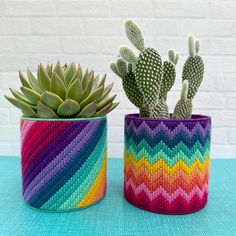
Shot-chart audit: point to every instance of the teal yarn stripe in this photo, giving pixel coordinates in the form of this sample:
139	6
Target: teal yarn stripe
83	189
188	160
161	150
57	200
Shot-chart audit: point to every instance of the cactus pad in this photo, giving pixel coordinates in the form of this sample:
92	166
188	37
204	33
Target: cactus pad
193	72
193	68
183	108
134	34
148	75
131	90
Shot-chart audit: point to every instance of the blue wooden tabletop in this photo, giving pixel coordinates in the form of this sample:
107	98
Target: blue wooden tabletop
113	215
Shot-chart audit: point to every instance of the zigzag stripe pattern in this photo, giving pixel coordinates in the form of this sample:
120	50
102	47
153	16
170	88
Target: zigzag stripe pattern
63	163
166	163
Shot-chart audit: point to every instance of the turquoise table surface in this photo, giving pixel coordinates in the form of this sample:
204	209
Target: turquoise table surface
113	215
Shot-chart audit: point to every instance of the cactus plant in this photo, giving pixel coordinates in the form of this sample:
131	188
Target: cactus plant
147	80
62	92
147	75
193	73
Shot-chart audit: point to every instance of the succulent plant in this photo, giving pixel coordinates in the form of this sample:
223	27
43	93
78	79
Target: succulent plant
147	80
63	92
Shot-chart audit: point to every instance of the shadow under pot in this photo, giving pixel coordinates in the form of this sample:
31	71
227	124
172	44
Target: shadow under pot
166	163
63	162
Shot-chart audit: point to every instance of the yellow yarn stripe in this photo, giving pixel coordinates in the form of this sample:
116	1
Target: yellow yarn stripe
91	195
162	165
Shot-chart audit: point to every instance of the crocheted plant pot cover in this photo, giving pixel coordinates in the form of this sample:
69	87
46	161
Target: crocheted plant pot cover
166	166
63	162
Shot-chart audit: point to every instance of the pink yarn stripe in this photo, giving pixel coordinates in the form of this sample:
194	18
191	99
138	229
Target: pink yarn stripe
25	130
161	191
46	139
29	140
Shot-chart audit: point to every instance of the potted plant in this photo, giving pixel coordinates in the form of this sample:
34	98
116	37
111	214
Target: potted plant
63	136
166	159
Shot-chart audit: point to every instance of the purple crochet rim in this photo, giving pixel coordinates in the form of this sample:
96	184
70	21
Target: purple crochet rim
195	118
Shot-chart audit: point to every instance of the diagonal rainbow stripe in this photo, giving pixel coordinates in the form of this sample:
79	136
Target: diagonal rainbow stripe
166	163
63	162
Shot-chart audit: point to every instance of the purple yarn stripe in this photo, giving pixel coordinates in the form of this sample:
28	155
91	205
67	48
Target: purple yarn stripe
131	127
59	162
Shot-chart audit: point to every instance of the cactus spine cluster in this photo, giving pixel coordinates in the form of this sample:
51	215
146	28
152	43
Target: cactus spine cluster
146	79
63	92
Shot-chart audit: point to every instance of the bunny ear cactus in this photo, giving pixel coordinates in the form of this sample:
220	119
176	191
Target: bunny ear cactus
62	92
149	80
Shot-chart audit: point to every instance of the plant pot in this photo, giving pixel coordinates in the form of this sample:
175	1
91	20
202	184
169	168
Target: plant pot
166	166
63	162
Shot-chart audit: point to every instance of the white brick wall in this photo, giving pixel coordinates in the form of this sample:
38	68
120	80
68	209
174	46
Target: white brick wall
90	31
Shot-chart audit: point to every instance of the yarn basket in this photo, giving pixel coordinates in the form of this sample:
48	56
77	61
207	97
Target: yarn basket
63	162
166	163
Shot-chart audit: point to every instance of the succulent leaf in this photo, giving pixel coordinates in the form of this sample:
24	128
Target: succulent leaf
27	110
88	111
70	73
102	81
104	110
45	111
106	91
34	82
113	106
31	95
80	72
92	97
68	108
51	100
95	82
58	69
21	97
43	78
57	86
13	101
88	88
85	79
49	70
102	103
75	91
24	81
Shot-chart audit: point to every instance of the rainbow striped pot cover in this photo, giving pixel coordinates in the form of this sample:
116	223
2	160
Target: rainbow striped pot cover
63	162
166	167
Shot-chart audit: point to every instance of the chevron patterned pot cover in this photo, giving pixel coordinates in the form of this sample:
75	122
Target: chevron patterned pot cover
166	166
63	162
